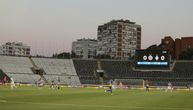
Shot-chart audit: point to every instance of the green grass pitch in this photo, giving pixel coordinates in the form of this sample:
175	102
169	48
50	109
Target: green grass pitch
33	98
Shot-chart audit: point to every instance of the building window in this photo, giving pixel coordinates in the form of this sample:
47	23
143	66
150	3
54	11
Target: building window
119	49
119	26
119	30
138	29
119	40
119	35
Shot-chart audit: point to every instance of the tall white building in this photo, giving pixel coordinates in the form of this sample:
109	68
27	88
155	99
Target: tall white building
119	39
85	48
15	49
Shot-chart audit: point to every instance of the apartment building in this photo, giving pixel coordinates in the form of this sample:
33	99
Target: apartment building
119	39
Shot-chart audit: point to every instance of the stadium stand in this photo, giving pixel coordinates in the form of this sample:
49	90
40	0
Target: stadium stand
184	66
182	74
56	66
10	64
86	70
116	69
175	82
24	78
67	80
19	68
79	71
58	69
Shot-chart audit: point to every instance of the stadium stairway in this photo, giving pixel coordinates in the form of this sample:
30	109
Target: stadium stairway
99	65
172	65
99	68
34	70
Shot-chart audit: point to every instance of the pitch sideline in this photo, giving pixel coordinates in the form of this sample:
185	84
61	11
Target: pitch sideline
99	106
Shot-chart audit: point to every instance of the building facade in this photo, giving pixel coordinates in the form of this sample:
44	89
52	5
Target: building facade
168	44
119	39
182	44
175	47
85	48
15	49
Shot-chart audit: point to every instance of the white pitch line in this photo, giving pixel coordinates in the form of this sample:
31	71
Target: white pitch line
105	106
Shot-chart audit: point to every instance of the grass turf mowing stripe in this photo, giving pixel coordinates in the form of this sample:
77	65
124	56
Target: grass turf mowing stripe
100	106
3	101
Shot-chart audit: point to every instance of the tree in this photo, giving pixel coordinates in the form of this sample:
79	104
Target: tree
187	54
64	55
103	56
73	55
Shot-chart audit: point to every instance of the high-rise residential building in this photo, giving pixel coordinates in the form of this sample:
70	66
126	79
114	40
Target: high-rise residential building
85	48
119	39
15	49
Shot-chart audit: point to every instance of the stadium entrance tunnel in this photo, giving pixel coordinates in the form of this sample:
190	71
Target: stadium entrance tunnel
38	71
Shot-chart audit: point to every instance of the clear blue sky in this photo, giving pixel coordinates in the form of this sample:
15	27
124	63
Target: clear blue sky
49	26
